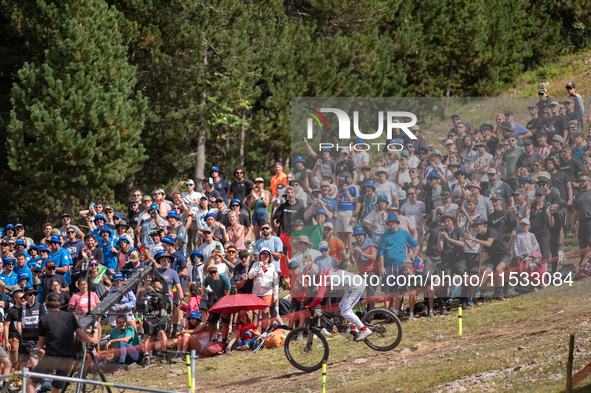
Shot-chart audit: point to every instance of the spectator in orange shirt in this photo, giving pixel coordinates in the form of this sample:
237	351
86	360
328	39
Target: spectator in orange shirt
365	252
337	247
280	177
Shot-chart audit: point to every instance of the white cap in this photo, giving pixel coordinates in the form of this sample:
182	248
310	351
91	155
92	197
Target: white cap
323	244
328	224
345	150
524	221
449	142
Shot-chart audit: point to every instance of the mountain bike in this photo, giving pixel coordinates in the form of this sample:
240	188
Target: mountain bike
306	347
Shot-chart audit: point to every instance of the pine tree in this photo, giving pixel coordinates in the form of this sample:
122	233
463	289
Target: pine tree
75	123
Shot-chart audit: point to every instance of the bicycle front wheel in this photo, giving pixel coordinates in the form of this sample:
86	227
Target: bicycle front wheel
385	327
306	349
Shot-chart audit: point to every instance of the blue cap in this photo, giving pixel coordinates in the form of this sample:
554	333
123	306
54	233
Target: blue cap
321	211
369	183
153	206
210	215
55	239
214	168
358	230
100	215
158	253
168	240
43	247
326	149
392	217
433	175
197	253
173	213
20	241
293	264
123	239
8	260
436	152
195	314
21	276
496	196
104	228
34	247
132	201
463	170
117	276
299	159
382	197
359	140
120	215
179	239
526	180
10	226
235	200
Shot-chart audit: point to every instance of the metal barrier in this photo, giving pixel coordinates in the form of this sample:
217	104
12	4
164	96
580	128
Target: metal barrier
26	374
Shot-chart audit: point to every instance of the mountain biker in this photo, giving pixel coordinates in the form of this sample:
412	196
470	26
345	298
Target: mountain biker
354	287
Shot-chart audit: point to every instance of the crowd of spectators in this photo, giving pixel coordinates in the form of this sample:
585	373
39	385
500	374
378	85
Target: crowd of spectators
481	199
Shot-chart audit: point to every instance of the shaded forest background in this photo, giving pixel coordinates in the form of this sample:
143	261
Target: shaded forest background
101	97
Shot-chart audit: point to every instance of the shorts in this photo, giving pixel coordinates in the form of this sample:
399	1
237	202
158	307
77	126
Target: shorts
152	325
267	299
298	305
432	265
389	283
27	351
472	262
493	265
214	317
260	219
343	222
251	343
3	353
48	364
128	315
14	345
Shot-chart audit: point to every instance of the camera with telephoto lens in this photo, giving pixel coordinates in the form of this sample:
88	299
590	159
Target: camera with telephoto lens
154	304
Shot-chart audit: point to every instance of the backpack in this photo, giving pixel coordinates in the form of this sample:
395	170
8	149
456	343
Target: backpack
213	349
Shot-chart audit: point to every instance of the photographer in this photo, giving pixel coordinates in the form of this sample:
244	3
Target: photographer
28	322
157	306
55	333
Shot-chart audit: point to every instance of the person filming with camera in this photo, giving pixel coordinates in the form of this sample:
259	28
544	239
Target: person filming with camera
55	333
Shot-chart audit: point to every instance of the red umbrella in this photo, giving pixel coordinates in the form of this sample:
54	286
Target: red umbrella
240	301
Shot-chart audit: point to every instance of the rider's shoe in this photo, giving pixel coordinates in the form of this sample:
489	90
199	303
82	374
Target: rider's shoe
325	332
363	334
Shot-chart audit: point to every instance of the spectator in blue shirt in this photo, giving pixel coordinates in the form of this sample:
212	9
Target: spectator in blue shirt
19	247
60	256
8	276
21	269
109	250
392	255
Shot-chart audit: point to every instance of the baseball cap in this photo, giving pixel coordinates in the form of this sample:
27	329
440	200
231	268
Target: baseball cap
207	229
293	264
433	175
190	181
479	220
153	206
540	191
449	142
298	223
496	196
179	239
146	198
243	253
509	113
117	276
524	221
212	268
323	245
532	107
520	191
214	169
167	240
259	180
558	138
134	256
436	152
554	104
50	264
491	171
526	179
328	225
475	183
570	84
55	239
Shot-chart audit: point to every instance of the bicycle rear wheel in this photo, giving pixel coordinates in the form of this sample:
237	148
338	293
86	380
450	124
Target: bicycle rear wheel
308	353
385	327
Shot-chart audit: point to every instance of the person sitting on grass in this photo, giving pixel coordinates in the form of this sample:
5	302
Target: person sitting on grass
246	331
125	340
189	337
418	282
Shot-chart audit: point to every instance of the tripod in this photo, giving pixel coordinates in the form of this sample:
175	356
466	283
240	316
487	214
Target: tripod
80	365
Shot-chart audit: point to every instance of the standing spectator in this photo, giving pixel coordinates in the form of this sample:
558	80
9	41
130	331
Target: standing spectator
235	231
348	205
133	214
278	178
485	207
265	283
543	148
450	244
143	231
346	165
497	186
509	158
557	124
159	196
210	192
544	99
258	201
221	185
365	253
288	212
241	188
534	126
244	284
520	131
175	226
337	247
66	223
528	158
582	210
60	256
574	96
502	220
541	219
413	208
375	222
392	255
209	244
385	187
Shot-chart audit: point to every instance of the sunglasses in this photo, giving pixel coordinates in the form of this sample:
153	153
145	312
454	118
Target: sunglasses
94	264
231	251
137	195
212	273
265	229
70	232
410	193
234	205
239	173
65	218
244	257
158	193
51	268
46	252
